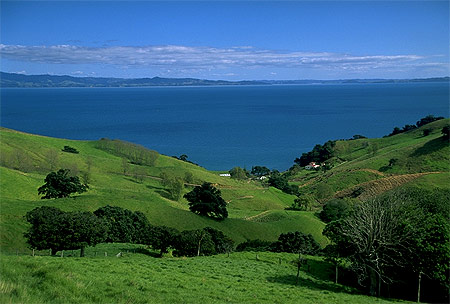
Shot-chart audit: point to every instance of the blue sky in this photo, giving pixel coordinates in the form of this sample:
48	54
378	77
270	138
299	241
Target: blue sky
227	40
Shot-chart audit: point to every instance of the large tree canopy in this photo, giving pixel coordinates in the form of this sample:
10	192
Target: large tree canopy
61	184
124	226
206	200
54	229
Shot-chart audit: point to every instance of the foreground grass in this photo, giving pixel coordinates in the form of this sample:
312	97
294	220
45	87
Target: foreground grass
140	278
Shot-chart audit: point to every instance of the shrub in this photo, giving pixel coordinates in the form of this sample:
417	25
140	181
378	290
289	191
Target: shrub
296	242
334	210
69	149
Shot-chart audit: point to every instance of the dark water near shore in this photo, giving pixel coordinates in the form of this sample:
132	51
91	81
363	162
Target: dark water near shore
222	127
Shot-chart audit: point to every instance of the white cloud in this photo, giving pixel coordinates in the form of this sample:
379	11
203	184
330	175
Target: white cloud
207	58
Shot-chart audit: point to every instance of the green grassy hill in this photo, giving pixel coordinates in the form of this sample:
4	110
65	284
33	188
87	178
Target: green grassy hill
362	169
26	159
366	167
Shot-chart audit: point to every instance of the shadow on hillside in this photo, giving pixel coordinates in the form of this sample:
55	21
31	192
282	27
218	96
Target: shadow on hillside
430	147
132	180
155	188
141	251
308	283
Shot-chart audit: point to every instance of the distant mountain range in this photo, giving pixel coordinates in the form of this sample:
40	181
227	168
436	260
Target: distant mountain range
13	80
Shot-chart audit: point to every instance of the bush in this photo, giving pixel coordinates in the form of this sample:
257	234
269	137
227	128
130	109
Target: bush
238	173
334	210
69	149
302	203
296	242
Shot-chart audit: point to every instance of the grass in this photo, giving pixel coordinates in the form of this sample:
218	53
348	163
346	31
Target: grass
18	192
255	212
141	278
365	161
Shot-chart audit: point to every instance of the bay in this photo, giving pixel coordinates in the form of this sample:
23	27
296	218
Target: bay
220	127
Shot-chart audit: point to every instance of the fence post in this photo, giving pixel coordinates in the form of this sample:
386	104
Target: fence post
106	254
33	252
257	257
62	253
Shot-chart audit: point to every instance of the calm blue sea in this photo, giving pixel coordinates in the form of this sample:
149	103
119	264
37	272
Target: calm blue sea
222	127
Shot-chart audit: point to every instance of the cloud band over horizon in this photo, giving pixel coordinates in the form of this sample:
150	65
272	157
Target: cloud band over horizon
209	58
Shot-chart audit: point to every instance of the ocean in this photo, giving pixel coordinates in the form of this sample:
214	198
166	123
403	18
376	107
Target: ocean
220	127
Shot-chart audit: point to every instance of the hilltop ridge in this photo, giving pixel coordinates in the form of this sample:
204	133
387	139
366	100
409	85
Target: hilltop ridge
13	80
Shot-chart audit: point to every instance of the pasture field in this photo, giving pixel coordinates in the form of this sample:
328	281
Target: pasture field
245	277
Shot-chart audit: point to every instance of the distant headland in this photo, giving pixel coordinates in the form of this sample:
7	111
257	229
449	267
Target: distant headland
13	80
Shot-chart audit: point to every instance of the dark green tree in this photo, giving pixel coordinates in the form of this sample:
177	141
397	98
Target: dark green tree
61	184
82	229
54	229
427	120
222	243
44	232
206	200
260	171
124	226
296	242
194	243
334	210
162	238
446	132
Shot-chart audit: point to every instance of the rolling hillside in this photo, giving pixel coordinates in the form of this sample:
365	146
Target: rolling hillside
361	170
26	159
365	168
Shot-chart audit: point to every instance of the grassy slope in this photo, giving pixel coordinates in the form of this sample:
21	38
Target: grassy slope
239	278
109	186
364	163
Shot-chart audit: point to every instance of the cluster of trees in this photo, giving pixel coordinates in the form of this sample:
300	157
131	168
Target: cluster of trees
184	157
391	239
280	181
174	185
292	242
257	171
423	121
319	154
137	154
54	229
303	202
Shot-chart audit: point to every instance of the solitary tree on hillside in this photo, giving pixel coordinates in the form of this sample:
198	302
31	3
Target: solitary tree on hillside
61	184
206	200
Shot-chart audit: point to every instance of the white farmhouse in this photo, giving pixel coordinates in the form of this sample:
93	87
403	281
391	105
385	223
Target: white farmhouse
312	165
